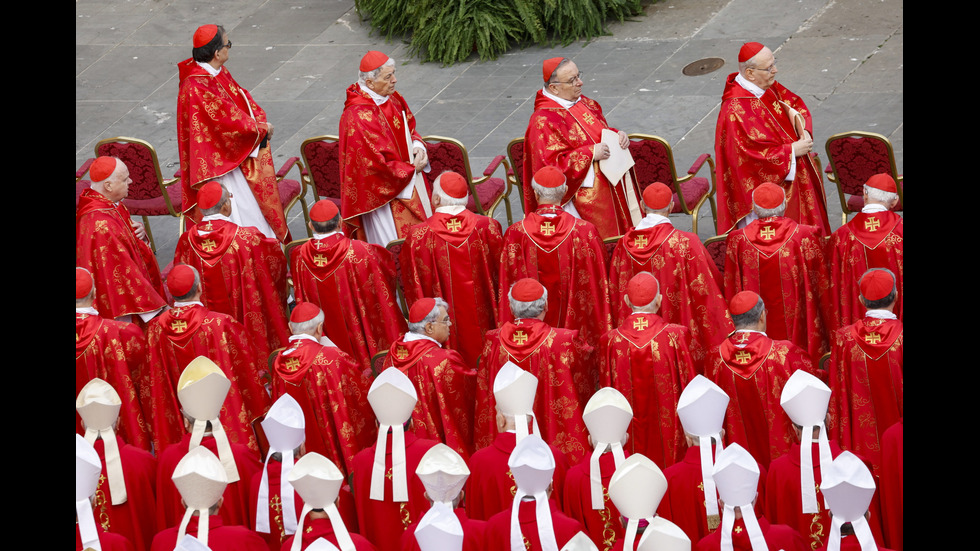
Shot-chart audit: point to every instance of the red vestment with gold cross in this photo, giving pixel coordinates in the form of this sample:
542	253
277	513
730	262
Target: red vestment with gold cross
457	257
374	167
218	127
354	283
785	263
124	269
130	517
115	352
565	138
869	240
243	274
564	366
331	389
566	255
445	386
689	283
603	526
753	145
181	334
867	381
752	369
649	361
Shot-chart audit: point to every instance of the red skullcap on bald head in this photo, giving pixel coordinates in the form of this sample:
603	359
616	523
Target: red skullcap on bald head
768	196
657	196
642	289
180	280
303	312
420	309
204	34
209	195
549	66
323	210
884	182
102	168
748	51
743	302
83	283
453	185
876	284
549	177
527	290
372	60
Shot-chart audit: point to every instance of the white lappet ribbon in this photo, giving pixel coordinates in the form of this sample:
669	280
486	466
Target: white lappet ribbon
221	440
707	464
87	531
337	523
399	476
202	524
807	479
113	463
285	496
595	474
542	512
417	178
756	537
861	531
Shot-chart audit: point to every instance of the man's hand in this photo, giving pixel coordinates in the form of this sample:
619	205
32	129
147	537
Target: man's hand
421	158
139	230
600	152
269	129
803	146
624	140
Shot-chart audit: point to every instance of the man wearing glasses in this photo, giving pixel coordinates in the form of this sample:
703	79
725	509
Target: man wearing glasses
565	131
765	134
222	134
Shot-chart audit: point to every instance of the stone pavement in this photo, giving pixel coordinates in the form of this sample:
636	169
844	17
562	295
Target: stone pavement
843	57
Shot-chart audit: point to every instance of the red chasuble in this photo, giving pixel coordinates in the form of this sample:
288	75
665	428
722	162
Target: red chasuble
457	257
474	535
785	264
218	126
603	526
234	509
243	274
222	536
353	282
374	165
115	352
563	364
498	527
445	387
383	522
181	334
689	282
124	269
649	361
332	391
277	531
778	536
753	145
129	518
752	369
565	138
891	486
490	487
566	255
316	528
866	377
867	241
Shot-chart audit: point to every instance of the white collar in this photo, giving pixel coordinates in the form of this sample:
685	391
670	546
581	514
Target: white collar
873	208
749	87
87	310
188	303
218	216
378	98
410	336
651	220
560	101
452	209
207	67
319	236
881	314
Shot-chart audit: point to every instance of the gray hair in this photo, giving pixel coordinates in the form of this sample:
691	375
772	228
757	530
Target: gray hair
880	195
766	213
419	327
549	194
364	76
751	317
307	327
551	79
526	310
216	209
446	199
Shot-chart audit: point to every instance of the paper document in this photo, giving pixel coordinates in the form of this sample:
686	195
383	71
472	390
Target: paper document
620	160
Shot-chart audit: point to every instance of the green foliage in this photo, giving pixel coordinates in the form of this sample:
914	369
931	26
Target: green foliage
449	31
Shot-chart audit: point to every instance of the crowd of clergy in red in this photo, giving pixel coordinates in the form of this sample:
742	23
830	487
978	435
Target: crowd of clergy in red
545	394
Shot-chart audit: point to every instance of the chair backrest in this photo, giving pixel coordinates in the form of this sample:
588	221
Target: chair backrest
446	154
856	156
377	363
654	161
515	154
141	159
321	155
717	247
610	245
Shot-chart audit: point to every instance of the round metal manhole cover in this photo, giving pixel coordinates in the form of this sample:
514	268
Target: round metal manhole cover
703	66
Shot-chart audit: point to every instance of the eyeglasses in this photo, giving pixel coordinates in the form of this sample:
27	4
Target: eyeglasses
768	69
448	322
228	45
580	76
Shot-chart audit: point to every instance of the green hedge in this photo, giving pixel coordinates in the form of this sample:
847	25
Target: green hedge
448	31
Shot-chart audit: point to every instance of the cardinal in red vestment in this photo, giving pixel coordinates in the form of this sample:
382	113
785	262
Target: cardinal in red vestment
381	156
874	238
222	134
115	352
649	361
112	247
126	486
444	382
866	370
765	134
455	254
89	531
565	131
557	357
243	273
688	276
785	263
353	282
752	369
566	255
329	386
189	330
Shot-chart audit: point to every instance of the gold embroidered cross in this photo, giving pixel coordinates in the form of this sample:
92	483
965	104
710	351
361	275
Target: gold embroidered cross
872	338
872	224
743	357
768	233
742	338
401	352
209	245
640	241
292	364
520	337
454	225
320	260
178	326
547	228
640	324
